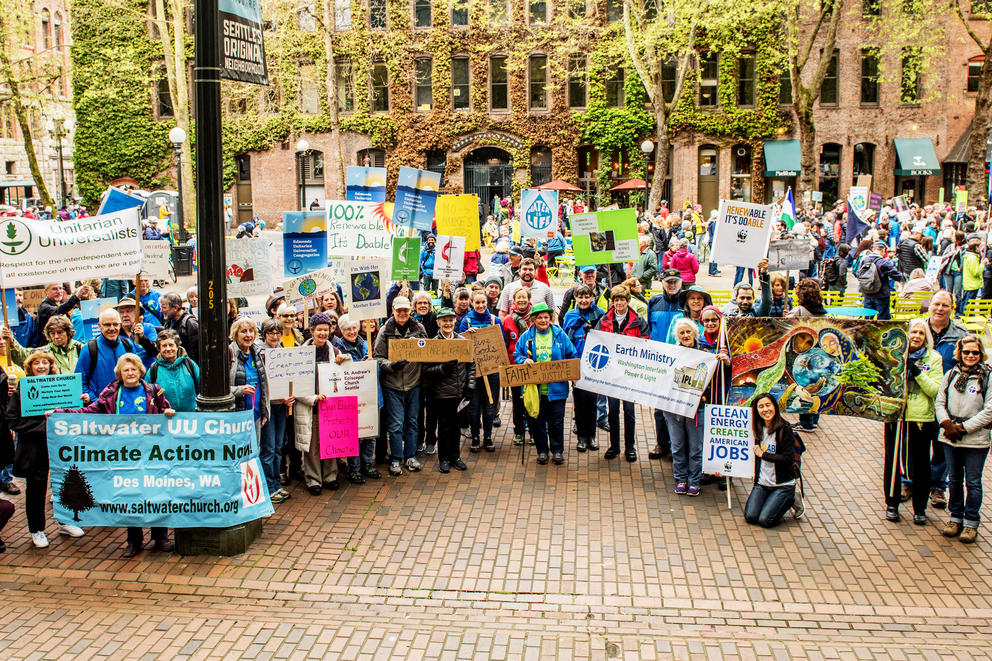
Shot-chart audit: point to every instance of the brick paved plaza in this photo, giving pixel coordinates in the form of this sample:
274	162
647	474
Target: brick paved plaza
587	560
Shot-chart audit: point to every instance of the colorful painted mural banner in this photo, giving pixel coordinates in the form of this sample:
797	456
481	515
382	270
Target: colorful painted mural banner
820	365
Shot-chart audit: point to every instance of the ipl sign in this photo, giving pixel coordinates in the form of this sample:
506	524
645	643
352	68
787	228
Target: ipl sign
539	211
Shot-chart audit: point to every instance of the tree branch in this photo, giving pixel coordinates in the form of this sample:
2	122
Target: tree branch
967	26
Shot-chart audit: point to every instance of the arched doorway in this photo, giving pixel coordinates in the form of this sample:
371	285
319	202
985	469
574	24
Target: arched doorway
488	174
708	187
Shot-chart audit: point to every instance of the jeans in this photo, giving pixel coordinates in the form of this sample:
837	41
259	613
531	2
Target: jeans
270	450
767	505
687	447
6	473
808	420
879	304
661	432
602	410
741	272
470	278
953	282
366	454
964	477
967	295
480	406
402	406
918	439
713	268
628	426
549	425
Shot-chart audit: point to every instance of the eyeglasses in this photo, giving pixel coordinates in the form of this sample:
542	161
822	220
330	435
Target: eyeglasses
970	353
287	316
334	323
274	332
711	321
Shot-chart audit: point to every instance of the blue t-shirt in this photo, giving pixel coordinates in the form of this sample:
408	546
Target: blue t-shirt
251	379
131	400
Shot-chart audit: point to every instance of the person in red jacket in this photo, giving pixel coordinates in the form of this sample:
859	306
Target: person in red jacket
621	319
473	259
686	263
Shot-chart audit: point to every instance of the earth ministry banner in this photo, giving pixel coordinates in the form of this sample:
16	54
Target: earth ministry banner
241	35
820	365
656	374
190	470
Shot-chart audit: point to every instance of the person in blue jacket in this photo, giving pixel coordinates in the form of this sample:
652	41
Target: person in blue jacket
577	323
481	408
148	301
427	263
98	359
543	342
556	247
663	308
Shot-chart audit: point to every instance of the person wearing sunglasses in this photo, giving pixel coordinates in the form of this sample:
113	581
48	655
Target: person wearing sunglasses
964	412
291	335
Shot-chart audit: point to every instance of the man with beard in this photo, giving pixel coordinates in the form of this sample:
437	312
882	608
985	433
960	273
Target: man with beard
539	292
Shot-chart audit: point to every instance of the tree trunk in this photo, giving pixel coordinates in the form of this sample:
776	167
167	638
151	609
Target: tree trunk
332	101
807	149
661	148
181	108
977	144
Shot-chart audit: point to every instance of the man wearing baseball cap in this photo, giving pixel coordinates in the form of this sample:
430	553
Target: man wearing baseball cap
662	309
587	277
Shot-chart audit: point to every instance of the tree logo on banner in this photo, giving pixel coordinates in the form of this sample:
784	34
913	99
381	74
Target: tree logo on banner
598	358
15	238
539	214
75	494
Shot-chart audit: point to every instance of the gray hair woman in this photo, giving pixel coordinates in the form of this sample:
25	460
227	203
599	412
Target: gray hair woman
248	372
686	432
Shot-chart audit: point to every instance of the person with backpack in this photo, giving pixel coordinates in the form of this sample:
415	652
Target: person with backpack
185	324
97	362
175	372
140	333
873	276
834	271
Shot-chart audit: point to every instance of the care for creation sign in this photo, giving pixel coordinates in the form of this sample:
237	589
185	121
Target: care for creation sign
727	441
742	231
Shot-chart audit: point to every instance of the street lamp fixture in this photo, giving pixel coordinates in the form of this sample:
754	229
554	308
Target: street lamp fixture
177	136
646	148
303	145
60	128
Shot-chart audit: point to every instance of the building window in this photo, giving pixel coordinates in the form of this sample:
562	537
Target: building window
422	13
459	13
871	8
540	166
164	98
910	82
372	158
785	85
380	87
740	174
830	173
46	29
538	74
8	167
422	83
437	161
243	161
57	30
310	178
668	74
346	91
614	89
459	83
377	14
828	90
499	12
577	8
745	80
342	15
614	11
974	75
498	97
981	7
305	19
538	14
869	78
864	160
577	81
709	71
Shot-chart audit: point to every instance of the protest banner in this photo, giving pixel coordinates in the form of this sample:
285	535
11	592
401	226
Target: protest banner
365	283
156	259
241	42
256	313
189	471
449	258
300	289
458	215
90	312
416	198
40	394
727	441
365	184
10	316
547	372
790	254
337	427
858	197
249	270
114	200
358	229
820	365
538	213
418	350
604	237
741	234
960	200
37	252
902	209
663	376
406	258
304	242
875	201
360	379
33	298
290	371
488	350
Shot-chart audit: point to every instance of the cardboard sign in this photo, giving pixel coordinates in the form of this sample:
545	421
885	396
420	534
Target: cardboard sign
741	235
864	180
547	372
538	213
304	242
45	393
365	184
418	350
337	420
155	259
727	441
449	258
458	215
416	197
291	365
360	379
249	269
33	298
488	350
366	284
406	258
304	287
790	254
604	237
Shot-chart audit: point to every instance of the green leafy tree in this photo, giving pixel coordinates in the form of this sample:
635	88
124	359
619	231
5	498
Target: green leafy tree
860	373
980	125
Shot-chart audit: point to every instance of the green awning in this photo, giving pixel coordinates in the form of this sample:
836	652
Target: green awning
915	157
17	183
782	158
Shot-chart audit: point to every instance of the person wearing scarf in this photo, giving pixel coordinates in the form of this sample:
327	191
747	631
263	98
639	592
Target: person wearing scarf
577	323
716	393
514	325
480	317
686	432
964	413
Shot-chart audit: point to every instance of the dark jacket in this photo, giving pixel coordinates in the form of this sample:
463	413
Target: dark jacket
784	456
6	440
30	459
188	328
407	377
662	309
886	270
911	256
448	383
49	308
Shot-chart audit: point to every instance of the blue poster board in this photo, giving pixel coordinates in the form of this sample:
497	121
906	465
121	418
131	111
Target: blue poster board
416	197
117	200
45	393
10	302
304	242
365	184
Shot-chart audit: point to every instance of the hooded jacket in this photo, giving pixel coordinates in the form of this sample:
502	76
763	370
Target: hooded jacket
155	401
450	384
561	348
686	263
578	322
179	380
662	310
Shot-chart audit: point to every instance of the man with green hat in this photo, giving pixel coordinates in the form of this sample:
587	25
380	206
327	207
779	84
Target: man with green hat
448	384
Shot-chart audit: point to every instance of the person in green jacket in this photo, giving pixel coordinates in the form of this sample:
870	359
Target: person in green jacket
59	331
971	268
174	372
917	431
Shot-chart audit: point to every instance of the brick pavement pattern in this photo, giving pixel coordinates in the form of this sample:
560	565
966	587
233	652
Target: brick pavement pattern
592	559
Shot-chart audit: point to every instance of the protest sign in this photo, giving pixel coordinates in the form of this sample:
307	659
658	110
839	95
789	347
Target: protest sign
727	441
304	242
875	201
547	372
189	471
417	350
488	350
365	184
37	252
458	215
741	235
790	254
858	197
416	197
40	394
242	43
255	313
365	283
933	268
864	180
960	200
358	229
10	316
33	298
902	209
360	379
337	427
114	200
604	237
449	258
815	196
318	283
663	376
249	270
538	213
820	365
406	258
156	258
90	312
290	371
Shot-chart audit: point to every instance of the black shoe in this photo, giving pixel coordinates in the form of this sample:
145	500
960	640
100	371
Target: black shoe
892	514
284	480
542	458
371	473
332	485
298	476
630	455
314	490
130	551
722	484
475	445
581	445
611	454
3	547
431	448
920	519
355	477
458	464
421	447
165	545
497	422
605	426
659	452
11	488
444	466
557	458
593	445
488	444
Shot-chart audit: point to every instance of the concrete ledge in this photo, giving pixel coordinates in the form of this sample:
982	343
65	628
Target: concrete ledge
217	541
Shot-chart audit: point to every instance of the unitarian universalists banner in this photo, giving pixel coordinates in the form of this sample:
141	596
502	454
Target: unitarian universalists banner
190	470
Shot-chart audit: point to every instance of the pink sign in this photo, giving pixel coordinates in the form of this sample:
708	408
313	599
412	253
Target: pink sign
338	427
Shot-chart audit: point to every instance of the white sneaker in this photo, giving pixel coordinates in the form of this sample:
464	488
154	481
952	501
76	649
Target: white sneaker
39	539
412	464
72	531
798	507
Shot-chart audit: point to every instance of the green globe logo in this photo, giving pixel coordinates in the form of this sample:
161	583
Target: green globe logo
15	237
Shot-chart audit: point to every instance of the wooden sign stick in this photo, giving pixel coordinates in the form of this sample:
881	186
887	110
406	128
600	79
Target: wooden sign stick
489	392
368	340
289	409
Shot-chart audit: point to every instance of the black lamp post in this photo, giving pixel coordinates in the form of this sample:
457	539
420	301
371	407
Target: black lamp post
177	136
57	128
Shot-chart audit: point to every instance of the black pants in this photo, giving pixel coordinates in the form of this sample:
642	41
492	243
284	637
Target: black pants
35	492
427	420
918	436
661	431
6	511
449	435
519	412
585	414
628	424
136	536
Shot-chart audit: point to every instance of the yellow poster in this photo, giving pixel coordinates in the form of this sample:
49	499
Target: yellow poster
458	215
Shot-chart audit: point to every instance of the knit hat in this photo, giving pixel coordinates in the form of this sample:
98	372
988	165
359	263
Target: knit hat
494	280
879	245
318	318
